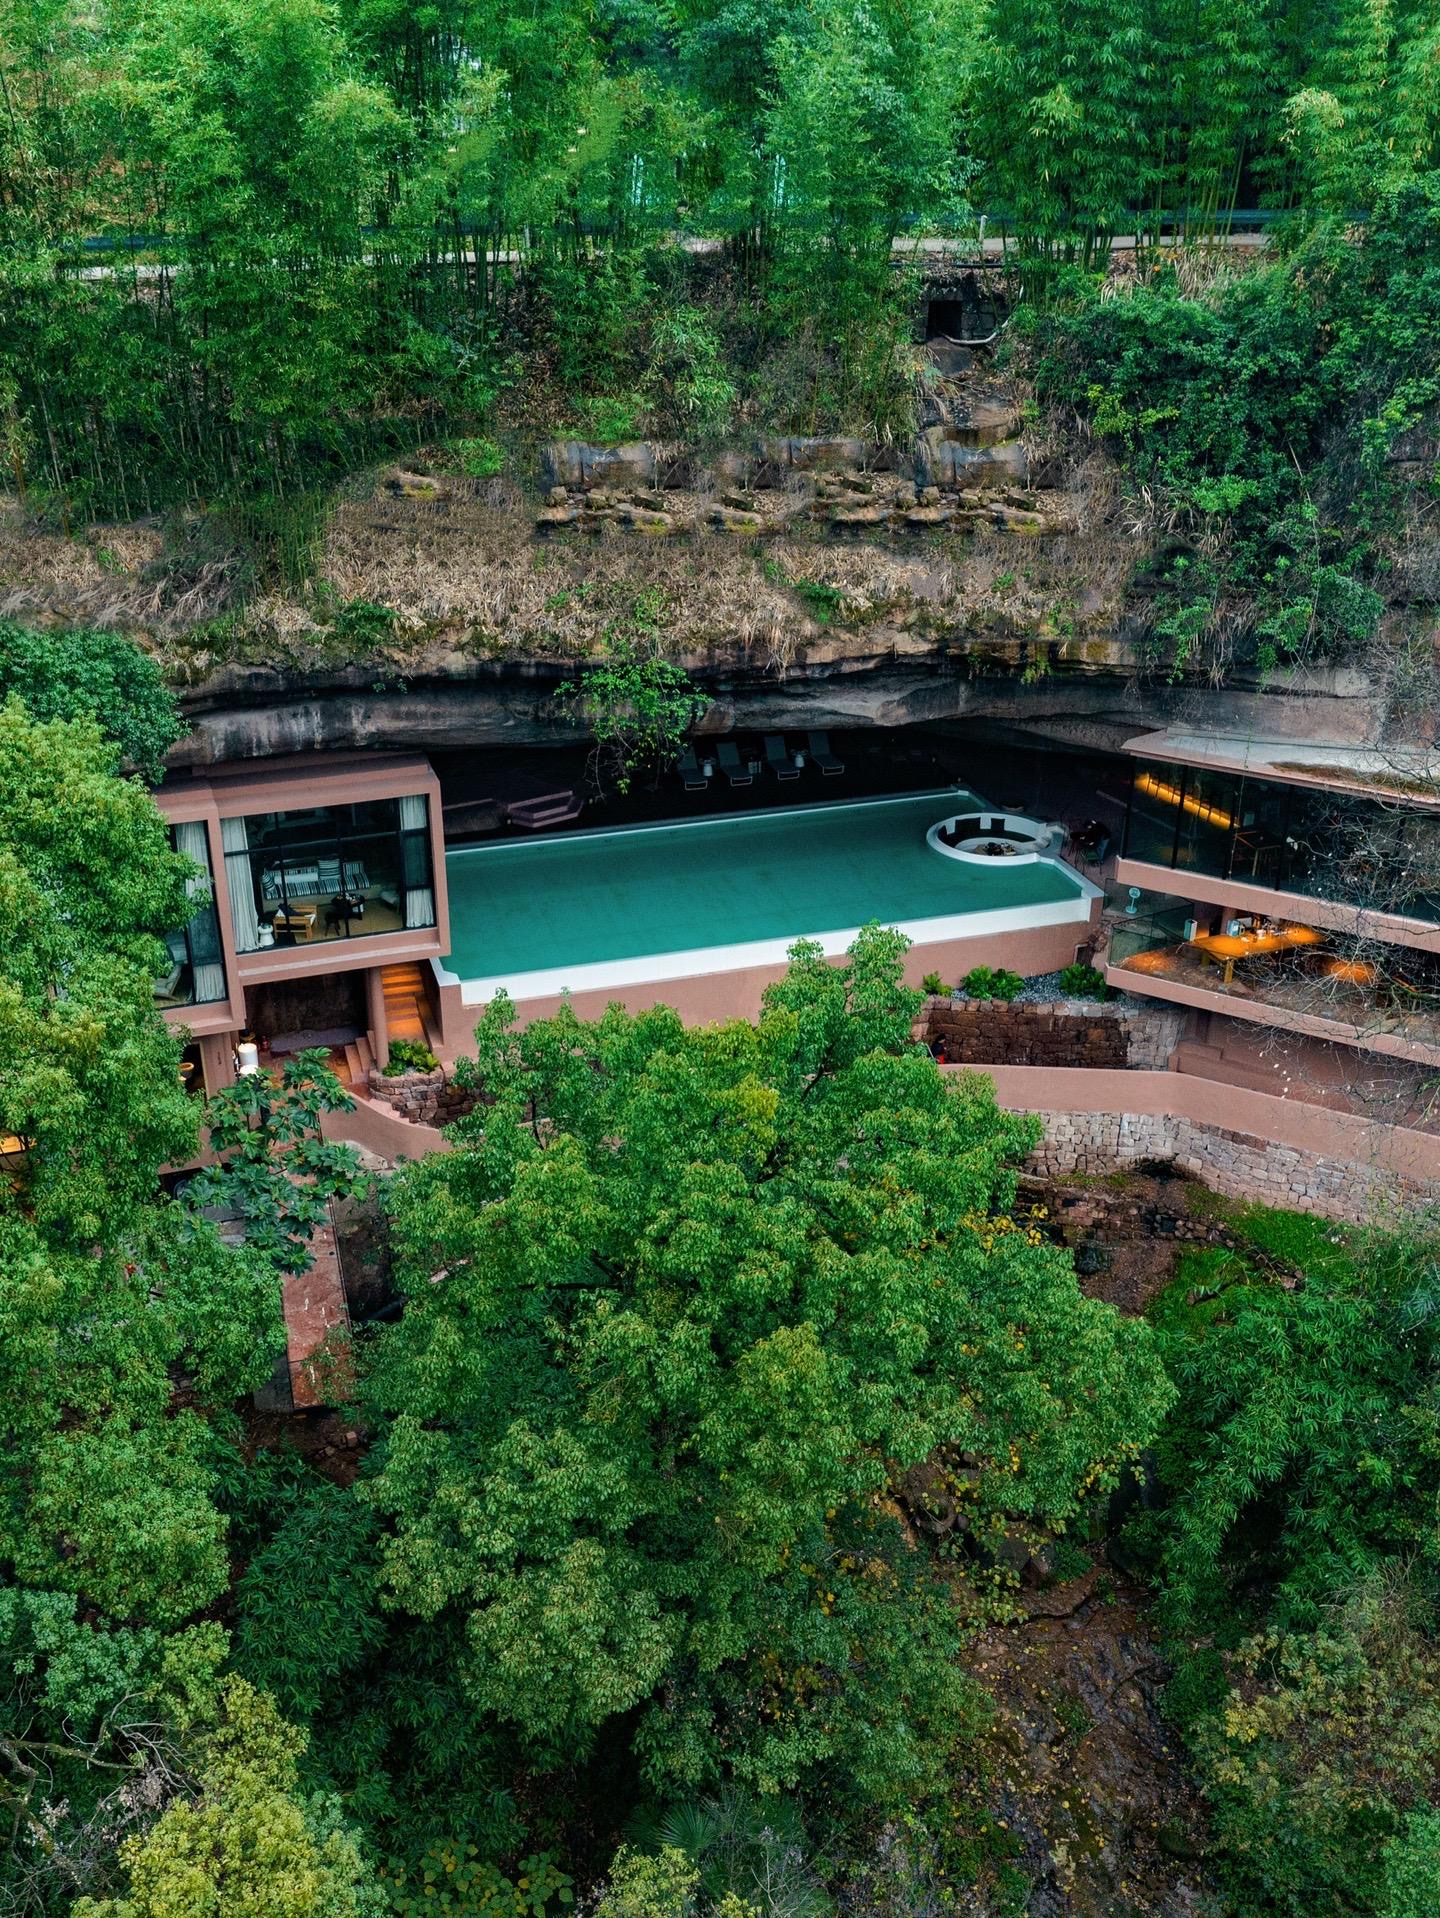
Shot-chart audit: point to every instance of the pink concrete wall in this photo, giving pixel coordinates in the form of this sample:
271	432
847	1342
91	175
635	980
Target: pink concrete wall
706	998
1181	1095
380	1129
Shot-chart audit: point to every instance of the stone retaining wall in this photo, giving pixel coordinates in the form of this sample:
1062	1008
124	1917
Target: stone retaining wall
1239	1164
1065	1033
424	1098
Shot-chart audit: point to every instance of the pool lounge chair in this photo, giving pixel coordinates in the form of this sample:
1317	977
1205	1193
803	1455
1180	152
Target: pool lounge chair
778	760
692	772
822	756
547	809
736	770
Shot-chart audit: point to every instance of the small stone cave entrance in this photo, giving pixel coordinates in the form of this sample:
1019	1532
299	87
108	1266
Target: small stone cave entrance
328	1010
963	309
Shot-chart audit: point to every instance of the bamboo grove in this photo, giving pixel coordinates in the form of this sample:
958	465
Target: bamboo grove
245	242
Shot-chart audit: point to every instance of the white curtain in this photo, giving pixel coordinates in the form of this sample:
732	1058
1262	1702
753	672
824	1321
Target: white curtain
242	888
419	900
208	977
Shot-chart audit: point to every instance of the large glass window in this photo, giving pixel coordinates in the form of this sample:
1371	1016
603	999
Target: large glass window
330	872
194	972
1377	854
1209	815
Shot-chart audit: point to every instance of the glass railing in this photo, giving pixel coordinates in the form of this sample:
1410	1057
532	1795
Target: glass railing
1362	985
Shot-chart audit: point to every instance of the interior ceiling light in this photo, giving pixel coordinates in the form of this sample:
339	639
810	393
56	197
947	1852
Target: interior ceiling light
1169	795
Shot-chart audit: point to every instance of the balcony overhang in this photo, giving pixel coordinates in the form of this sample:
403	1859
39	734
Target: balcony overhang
1387	1040
1407	774
304	961
1359	922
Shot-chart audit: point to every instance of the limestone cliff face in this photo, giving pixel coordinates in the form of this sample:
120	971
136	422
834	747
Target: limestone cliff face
975	574
1083	694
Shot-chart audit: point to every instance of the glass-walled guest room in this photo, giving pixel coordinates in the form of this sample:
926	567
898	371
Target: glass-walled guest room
1376	854
329	872
193	971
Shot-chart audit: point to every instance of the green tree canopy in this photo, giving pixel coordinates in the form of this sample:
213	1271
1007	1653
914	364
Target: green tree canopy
96	675
88	883
683	1304
122	1319
243	1842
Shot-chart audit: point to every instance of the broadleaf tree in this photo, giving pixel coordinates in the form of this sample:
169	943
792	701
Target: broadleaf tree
684	1302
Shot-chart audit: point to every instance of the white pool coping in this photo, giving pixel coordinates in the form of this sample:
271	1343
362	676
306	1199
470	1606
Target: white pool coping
658	967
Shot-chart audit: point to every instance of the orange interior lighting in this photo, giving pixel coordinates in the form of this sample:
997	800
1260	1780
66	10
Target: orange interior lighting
1169	795
1155	961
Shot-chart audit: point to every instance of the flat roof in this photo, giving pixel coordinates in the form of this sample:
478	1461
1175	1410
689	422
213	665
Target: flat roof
296	780
593	910
1401	772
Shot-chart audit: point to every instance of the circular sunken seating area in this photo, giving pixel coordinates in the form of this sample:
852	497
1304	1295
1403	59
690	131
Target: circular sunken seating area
991	838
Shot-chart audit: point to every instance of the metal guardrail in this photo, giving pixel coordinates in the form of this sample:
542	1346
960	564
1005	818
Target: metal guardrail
1241	218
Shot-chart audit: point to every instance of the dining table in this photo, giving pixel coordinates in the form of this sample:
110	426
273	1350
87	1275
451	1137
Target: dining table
1226	949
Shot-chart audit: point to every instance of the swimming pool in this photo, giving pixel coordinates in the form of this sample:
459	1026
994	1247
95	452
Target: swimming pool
595	910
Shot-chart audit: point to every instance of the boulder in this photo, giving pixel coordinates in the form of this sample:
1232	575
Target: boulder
949	358
733	467
816	455
643	519
856	517
415	485
579	467
1011	519
989	468
983	423
730	519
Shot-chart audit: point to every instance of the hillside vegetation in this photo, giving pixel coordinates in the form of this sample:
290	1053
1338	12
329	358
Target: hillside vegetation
248	251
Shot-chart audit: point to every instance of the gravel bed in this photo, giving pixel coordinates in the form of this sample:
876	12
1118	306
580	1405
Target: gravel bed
1038	991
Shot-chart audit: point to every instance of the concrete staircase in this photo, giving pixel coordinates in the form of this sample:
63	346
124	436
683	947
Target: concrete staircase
373	1123
358	1060
407	1008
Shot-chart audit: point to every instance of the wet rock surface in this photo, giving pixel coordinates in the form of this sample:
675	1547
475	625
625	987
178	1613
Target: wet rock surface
1088	1777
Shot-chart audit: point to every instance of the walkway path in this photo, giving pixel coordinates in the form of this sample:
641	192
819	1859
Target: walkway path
317	1320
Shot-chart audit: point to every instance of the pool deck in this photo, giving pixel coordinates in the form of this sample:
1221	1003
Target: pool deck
596	911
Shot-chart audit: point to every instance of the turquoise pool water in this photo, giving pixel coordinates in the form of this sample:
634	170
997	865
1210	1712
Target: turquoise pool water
590	905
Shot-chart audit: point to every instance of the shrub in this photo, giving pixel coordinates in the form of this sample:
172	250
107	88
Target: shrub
1083	982
409	1055
472	1885
933	984
687	377
363	623
823	603
480	458
992	982
608	419
1326	1748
